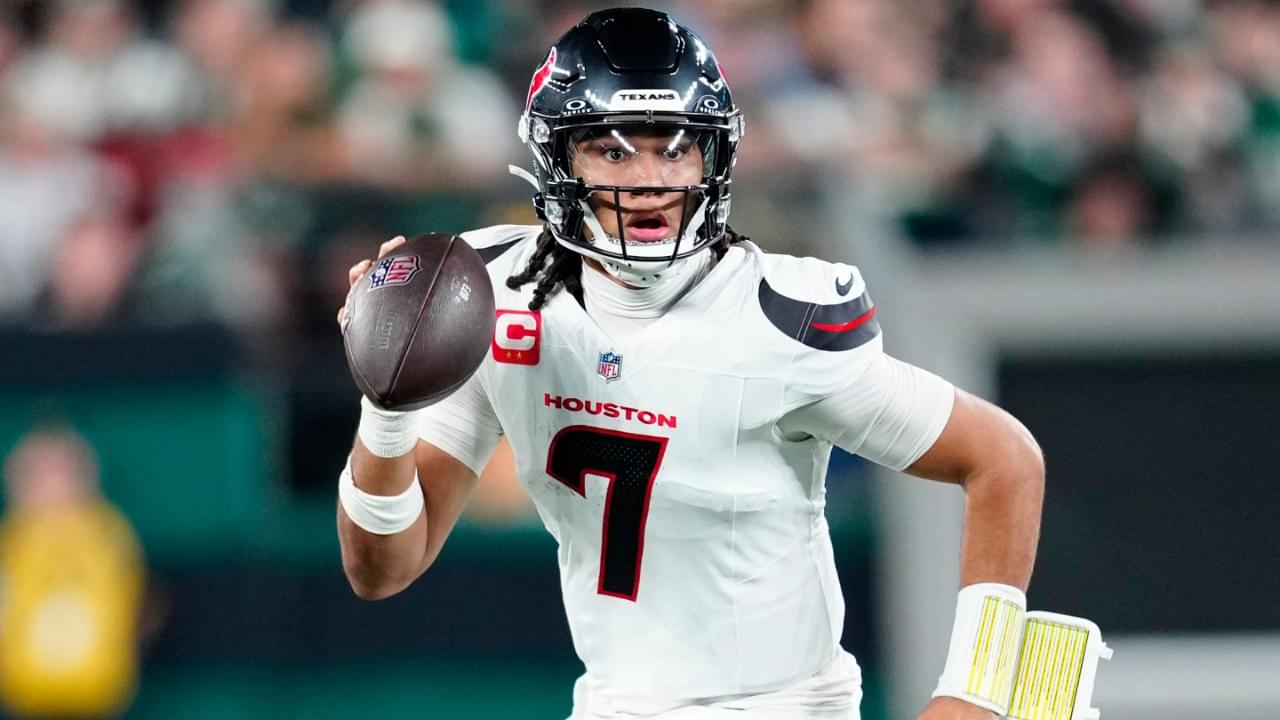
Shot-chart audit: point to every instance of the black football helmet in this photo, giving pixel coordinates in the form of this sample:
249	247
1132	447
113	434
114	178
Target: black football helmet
629	70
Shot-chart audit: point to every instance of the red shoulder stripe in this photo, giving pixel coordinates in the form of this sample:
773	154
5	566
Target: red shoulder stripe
845	327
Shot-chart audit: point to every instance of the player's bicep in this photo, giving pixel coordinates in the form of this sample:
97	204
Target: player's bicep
977	433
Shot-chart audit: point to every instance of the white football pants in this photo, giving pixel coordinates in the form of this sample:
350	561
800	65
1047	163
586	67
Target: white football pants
833	694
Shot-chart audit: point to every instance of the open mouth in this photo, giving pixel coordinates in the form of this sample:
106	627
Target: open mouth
647	227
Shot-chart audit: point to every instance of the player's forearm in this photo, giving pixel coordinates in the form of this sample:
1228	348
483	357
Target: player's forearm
1003	479
1003	500
378	566
997	461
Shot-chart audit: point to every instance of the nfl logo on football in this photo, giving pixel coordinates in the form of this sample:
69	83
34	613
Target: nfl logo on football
610	366
397	270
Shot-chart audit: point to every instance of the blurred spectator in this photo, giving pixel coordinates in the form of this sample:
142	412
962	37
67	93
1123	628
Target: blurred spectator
9	41
94	73
282	121
1111	206
1192	118
870	105
73	576
46	182
93	270
1190	109
1055	105
217	37
1246	37
416	117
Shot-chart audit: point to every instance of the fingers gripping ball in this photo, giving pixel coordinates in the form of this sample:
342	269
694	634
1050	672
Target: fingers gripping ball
419	322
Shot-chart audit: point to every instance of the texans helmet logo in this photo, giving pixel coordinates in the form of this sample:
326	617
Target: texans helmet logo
540	77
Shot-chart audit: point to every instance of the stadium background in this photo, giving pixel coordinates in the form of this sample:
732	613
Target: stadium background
1070	207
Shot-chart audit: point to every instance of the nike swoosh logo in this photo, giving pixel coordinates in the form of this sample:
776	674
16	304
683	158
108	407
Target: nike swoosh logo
844	287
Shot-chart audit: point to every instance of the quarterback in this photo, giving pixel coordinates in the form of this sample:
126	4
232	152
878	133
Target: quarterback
672	393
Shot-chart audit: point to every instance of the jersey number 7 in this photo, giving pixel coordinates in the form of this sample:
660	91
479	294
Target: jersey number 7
630	462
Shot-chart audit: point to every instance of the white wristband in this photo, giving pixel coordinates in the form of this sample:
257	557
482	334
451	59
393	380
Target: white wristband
379	514
387	433
985	642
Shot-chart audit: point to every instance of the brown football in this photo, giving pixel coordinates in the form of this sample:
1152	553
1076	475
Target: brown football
419	322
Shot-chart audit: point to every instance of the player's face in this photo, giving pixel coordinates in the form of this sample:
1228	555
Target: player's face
638	159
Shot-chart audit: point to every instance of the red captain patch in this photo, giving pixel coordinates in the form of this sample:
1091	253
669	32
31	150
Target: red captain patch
517	335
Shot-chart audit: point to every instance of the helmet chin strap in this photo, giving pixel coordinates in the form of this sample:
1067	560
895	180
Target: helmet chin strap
524	175
639	278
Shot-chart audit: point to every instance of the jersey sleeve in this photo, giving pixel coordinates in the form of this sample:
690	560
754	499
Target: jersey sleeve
463	425
890	413
841	386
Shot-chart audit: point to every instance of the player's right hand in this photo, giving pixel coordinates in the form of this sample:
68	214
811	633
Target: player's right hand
358	270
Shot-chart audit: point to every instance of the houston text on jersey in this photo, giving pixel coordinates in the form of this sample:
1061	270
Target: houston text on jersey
608	409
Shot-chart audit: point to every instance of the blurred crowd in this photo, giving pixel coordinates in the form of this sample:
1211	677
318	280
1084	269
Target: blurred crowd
74	584
163	161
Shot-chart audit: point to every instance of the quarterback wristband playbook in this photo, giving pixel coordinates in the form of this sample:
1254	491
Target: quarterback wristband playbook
1056	669
387	433
1021	665
984	646
379	514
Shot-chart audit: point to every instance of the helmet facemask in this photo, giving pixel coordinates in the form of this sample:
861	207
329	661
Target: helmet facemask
633	132
636	196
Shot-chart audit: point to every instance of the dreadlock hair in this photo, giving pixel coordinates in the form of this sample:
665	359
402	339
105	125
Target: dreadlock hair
553	265
565	268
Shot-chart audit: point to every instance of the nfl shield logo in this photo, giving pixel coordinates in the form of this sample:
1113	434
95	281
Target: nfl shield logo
610	366
396	270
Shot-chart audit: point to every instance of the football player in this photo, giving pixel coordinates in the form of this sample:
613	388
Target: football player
672	393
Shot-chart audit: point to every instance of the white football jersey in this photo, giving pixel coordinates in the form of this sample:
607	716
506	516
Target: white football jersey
681	468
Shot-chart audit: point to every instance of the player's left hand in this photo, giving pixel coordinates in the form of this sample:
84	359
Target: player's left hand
358	270
949	708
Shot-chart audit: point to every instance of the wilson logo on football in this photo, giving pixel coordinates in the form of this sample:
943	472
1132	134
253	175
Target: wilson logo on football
395	270
517	335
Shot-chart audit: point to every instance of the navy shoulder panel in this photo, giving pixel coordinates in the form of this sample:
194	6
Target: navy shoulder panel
493	252
842	326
